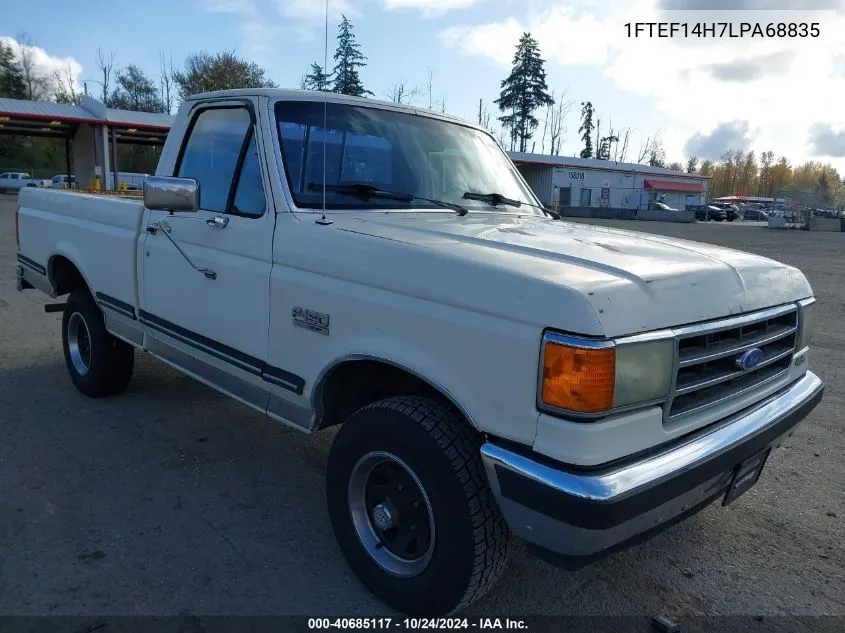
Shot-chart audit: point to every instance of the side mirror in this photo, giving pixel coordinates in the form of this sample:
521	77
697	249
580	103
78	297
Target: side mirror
163	193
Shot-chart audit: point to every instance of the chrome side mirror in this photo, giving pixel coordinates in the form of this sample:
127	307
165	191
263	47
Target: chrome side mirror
163	193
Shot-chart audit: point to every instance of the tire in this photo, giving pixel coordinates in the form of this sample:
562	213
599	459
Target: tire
99	364
433	449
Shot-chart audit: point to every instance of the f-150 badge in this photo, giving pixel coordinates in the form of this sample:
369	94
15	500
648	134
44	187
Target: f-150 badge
311	320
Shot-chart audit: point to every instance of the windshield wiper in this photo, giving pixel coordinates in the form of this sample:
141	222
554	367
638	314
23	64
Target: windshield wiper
366	190
496	199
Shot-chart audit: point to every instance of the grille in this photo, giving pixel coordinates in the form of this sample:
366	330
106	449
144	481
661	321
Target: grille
707	358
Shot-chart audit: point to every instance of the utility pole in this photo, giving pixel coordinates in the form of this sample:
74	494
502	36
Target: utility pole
480	101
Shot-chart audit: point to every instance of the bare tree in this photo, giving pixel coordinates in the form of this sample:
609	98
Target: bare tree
36	84
167	89
545	133
623	152
597	143
653	146
484	116
402	93
556	116
105	62
656	154
500	136
64	86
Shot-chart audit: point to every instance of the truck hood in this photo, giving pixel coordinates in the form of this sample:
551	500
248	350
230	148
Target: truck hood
632	282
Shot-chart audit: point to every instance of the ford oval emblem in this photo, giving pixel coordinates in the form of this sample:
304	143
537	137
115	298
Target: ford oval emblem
749	359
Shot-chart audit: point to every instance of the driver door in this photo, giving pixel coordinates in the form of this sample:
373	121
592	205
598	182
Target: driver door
205	285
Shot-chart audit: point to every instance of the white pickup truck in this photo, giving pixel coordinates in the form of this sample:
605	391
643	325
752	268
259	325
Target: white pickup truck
17	180
330	261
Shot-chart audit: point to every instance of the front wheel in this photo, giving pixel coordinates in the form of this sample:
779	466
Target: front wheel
99	364
411	508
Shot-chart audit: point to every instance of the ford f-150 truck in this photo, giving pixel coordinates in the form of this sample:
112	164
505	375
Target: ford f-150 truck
497	371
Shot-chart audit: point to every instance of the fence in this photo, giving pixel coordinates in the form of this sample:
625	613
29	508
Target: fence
804	200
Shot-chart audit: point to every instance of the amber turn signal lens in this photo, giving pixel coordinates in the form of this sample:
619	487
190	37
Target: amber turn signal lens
579	379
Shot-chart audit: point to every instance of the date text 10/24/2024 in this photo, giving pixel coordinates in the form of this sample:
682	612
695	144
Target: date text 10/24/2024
417	624
723	29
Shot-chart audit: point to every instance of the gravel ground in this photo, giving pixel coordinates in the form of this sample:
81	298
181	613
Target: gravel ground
172	499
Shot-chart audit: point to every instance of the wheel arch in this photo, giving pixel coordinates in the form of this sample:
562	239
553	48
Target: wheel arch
334	396
65	275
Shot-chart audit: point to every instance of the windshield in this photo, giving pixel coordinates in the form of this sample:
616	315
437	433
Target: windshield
394	151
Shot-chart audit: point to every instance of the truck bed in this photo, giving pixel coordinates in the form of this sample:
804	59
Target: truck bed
89	230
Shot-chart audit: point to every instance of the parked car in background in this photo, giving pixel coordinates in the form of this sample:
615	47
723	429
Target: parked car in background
16	180
756	215
731	210
660	206
60	182
707	212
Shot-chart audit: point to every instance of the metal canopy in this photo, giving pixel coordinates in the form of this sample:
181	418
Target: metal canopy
61	121
138	136
32	126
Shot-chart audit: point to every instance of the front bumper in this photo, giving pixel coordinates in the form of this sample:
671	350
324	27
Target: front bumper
571	516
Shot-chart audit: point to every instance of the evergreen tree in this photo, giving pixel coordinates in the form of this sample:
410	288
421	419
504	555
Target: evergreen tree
523	92
586	129
692	164
317	79
348	59
12	84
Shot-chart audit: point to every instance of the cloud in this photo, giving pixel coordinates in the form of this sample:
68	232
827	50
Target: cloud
694	83
566	34
750	5
245	7
46	65
825	141
752	68
728	135
429	8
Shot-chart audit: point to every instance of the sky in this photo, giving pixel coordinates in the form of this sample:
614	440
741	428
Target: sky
701	94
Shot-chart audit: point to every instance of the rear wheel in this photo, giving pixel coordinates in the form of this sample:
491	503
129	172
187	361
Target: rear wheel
99	364
411	508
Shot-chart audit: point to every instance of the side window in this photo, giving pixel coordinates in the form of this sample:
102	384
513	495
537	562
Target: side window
4	176
216	147
249	195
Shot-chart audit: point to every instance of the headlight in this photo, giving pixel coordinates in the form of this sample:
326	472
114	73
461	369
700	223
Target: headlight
808	325
592	376
643	371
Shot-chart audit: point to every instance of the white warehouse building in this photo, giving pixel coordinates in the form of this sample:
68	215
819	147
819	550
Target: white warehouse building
592	183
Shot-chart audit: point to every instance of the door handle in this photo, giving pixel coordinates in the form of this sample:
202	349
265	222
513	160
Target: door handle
218	222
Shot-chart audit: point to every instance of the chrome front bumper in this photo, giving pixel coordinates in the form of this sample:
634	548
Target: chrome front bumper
572	516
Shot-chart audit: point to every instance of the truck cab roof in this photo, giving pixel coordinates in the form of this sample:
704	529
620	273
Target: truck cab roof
286	94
